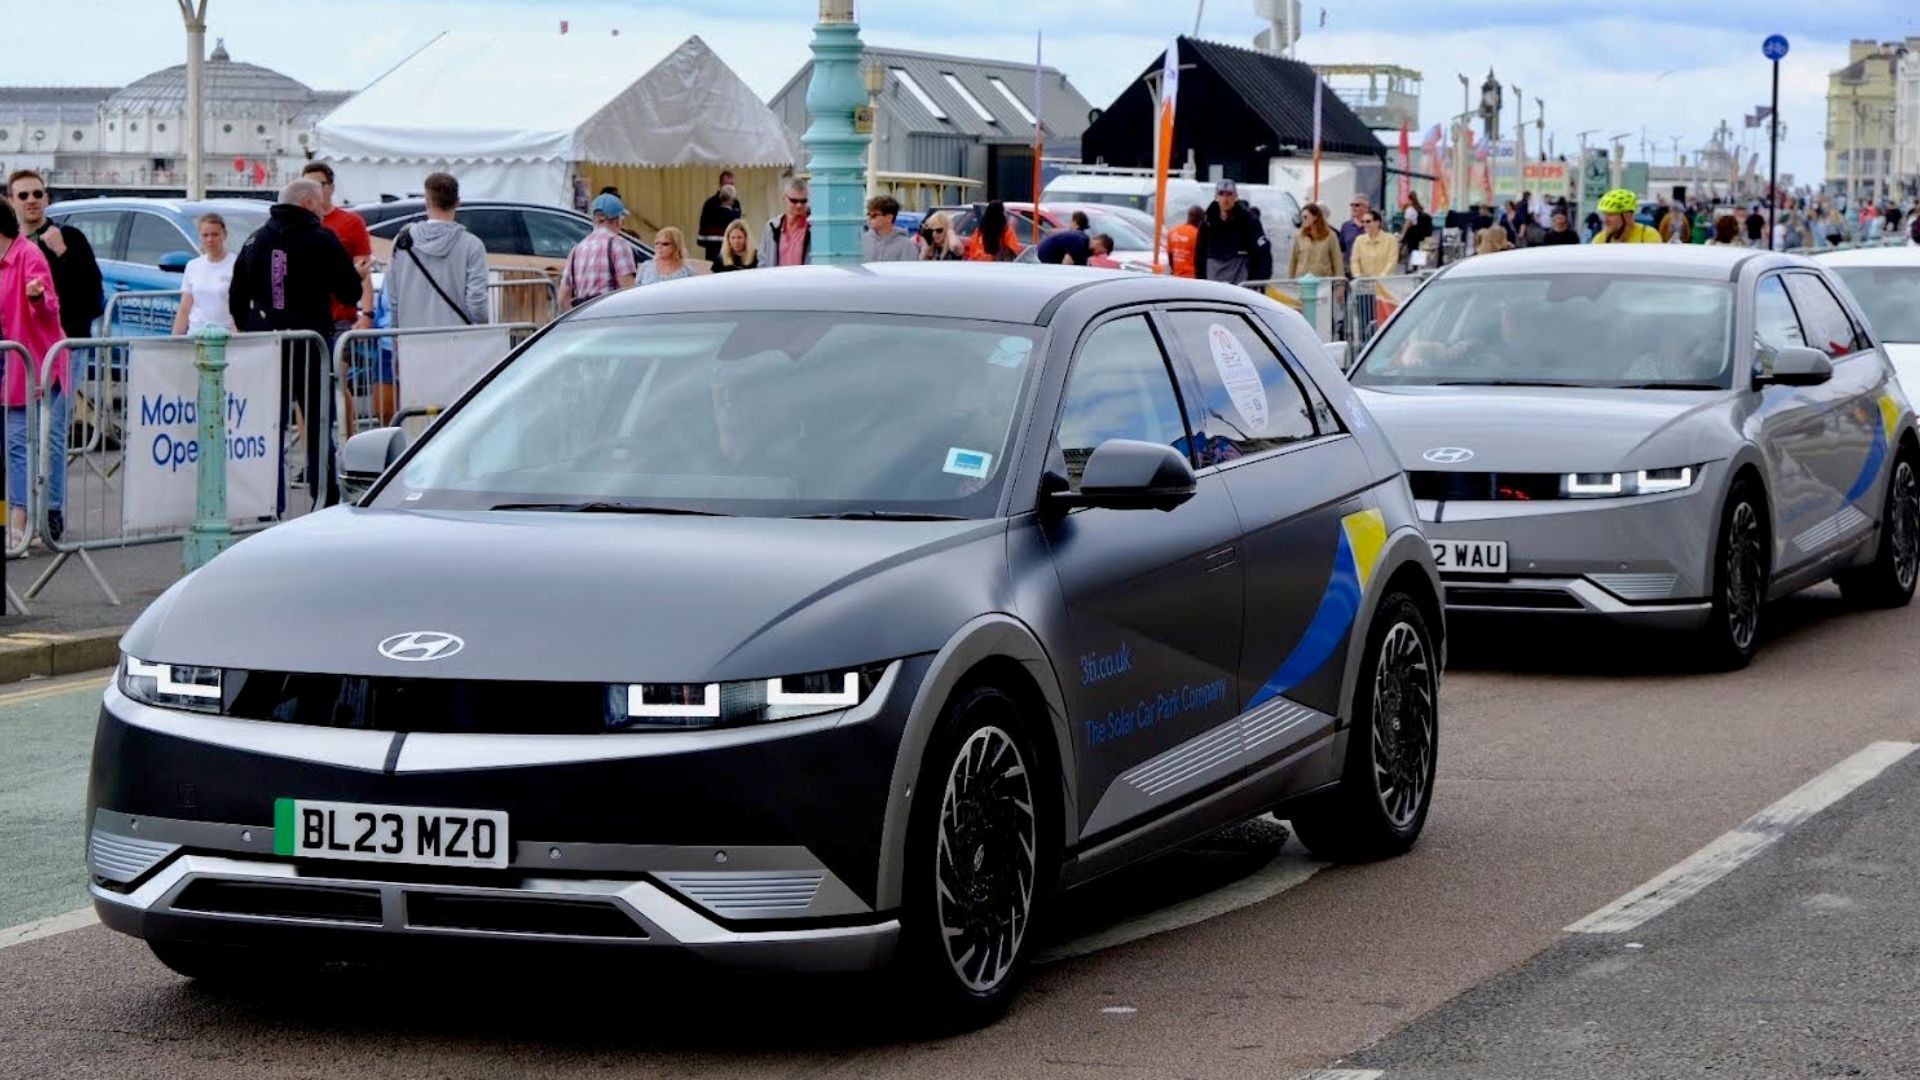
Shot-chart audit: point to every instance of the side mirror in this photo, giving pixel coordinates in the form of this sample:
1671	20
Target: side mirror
1797	365
366	457
175	262
1127	474
1339	354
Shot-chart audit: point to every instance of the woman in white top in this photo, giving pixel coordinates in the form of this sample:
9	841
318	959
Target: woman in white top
669	258
206	282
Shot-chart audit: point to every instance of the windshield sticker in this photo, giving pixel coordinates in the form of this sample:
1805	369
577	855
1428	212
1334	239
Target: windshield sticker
1012	352
1237	373
974	463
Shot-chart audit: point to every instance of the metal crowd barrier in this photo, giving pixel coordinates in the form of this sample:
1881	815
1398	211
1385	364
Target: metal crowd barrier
361	356
96	491
28	418
533	300
138	313
1372	301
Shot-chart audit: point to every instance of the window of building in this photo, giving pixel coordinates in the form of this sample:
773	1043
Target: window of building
967	96
920	95
1018	105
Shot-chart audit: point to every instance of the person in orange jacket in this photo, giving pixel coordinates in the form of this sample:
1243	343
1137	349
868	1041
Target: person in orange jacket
1181	241
993	224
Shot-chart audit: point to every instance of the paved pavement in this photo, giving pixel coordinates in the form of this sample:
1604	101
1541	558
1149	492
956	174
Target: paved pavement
72	601
1573	769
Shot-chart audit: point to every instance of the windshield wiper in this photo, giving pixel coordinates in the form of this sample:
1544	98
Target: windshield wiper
1506	382
1669	386
607	508
877	515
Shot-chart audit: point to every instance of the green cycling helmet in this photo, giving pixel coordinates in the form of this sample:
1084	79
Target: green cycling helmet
1619	201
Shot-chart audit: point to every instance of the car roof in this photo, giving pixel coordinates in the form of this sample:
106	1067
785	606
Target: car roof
1707	263
1891	255
181	207
991	292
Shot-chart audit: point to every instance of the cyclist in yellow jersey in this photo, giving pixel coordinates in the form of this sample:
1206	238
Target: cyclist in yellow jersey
1616	220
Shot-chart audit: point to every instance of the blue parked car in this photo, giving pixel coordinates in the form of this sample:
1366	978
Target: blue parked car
144	244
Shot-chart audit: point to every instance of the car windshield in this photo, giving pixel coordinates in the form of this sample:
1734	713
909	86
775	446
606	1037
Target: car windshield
771	413
1887	294
1559	330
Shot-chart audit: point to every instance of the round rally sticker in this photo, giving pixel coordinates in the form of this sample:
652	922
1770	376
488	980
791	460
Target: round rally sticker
1239	376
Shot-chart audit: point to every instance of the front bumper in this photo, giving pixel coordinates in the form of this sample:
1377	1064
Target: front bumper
1640	561
753	845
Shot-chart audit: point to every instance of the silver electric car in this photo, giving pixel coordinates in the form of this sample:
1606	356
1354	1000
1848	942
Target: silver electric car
1662	435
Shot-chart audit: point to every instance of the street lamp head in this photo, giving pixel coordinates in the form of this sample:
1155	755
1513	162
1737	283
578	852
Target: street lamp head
876	78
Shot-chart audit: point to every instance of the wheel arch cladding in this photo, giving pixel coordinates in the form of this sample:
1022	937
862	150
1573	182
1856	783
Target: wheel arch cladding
989	645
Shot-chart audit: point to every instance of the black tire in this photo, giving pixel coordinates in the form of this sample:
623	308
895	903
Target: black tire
1741	562
981	796
224	965
1386	784
1887	582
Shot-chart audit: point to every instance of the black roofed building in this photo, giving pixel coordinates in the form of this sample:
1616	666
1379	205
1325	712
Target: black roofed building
959	117
1241	111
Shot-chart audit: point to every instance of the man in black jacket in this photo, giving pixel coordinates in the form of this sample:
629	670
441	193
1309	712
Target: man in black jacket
1231	242
286	277
721	209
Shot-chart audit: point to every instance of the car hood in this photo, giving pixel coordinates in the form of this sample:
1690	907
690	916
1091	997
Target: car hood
1906	364
1550	429
576	597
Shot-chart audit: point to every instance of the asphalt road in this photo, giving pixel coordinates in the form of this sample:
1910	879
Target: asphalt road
1573	768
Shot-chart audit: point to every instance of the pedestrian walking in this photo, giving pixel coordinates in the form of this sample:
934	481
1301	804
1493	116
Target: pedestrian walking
602	262
1351	229
721	209
1726	232
1416	227
669	262
993	241
1756	226
736	249
1562	231
1376	253
883	241
938	241
788	241
1230	237
29	315
207	280
1068	246
1316	248
351	228
1674	227
288	276
1181	242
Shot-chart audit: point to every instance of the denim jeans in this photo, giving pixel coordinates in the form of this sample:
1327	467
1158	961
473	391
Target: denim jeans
55	462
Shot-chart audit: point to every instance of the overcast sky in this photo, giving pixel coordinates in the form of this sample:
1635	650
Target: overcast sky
1674	69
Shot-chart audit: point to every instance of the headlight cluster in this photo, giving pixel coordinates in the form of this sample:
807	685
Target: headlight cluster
678	706
1617	484
171	686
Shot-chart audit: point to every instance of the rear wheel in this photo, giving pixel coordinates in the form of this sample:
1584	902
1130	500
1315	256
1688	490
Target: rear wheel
1732	632
1386	787
1888	580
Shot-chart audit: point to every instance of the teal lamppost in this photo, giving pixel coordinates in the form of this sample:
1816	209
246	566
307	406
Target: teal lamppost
837	166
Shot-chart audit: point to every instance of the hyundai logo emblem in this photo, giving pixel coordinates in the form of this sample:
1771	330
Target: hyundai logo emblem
416	646
1448	455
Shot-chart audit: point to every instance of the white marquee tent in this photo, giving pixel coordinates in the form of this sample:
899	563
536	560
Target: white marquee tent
520	117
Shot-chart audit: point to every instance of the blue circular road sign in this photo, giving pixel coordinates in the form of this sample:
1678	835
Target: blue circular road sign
1775	47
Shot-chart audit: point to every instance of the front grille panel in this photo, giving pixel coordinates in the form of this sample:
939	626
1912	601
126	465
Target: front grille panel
1530	599
270	899
420	705
513	915
1451	486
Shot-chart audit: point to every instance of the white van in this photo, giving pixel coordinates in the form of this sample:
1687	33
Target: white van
1279	208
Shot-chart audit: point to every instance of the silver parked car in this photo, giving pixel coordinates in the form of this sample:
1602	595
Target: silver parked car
1668	436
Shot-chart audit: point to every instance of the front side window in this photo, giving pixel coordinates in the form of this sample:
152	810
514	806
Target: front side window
499	230
152	237
1890	295
553	236
1248	402
99	227
757	413
1823	320
1594	330
1775	325
1119	389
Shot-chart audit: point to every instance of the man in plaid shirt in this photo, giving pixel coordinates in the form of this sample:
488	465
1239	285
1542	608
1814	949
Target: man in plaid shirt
601	263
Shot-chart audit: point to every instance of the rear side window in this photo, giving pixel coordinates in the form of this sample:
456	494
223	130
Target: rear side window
153	237
100	228
1822	318
1249	403
1119	389
499	230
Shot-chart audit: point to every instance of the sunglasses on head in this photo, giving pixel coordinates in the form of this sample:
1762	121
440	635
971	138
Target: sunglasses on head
25	195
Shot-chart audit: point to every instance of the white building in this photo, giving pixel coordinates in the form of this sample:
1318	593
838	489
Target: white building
1906	122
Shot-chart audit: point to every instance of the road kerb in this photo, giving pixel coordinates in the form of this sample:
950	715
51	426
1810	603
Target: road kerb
26	654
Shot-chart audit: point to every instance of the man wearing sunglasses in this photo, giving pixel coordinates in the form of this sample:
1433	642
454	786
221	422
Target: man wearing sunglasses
77	285
787	241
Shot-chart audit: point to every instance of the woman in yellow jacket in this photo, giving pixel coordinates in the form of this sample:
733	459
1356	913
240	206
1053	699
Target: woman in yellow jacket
1316	249
1376	252
1617	226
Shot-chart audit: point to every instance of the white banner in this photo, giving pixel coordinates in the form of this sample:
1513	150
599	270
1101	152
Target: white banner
435	369
163	433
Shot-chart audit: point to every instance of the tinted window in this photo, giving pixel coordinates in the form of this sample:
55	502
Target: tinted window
552	236
499	230
1119	389
153	236
1887	294
99	227
1248	402
1824	321
1775	326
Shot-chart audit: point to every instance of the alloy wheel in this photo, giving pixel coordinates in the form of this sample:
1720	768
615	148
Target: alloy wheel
987	859
1905	524
1403	724
1743	570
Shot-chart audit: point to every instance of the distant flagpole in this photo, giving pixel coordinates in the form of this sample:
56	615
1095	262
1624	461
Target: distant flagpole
1318	82
1163	143
1039	121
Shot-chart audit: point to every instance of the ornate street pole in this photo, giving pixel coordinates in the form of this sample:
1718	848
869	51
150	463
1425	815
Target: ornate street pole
210	534
838	164
194	14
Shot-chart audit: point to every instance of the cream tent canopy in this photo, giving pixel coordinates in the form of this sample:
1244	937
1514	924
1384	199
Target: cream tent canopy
519	117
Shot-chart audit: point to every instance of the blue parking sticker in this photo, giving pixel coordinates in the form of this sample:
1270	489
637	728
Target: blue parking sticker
974	463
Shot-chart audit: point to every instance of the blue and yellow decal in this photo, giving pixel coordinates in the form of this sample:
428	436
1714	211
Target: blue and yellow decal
1878	452
1362	537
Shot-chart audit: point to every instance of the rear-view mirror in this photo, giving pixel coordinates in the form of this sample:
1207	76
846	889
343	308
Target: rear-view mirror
366	457
1127	474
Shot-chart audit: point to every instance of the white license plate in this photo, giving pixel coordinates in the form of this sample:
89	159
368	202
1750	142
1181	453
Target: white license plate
363	832
1471	556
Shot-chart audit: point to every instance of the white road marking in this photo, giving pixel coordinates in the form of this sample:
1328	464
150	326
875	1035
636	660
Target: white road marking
43	928
1119	1010
1736	848
1343	1074
1283	873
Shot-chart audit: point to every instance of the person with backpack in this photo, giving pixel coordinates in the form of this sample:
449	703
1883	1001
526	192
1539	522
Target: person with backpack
437	276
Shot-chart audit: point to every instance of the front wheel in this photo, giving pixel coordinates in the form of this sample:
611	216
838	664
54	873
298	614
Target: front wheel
1386	787
1732	632
1888	580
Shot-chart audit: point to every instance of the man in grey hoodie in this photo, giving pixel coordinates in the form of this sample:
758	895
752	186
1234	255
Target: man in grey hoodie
437	276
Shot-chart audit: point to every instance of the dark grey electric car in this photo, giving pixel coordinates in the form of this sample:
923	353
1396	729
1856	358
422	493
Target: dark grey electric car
752	618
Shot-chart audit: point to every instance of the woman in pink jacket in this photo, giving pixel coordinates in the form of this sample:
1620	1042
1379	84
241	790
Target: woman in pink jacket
29	315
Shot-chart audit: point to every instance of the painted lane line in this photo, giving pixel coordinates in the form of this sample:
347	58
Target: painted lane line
1736	848
94	683
45	928
1343	1074
1283	873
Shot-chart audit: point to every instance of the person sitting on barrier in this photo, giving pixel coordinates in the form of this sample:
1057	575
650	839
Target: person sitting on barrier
207	281
29	315
1375	251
